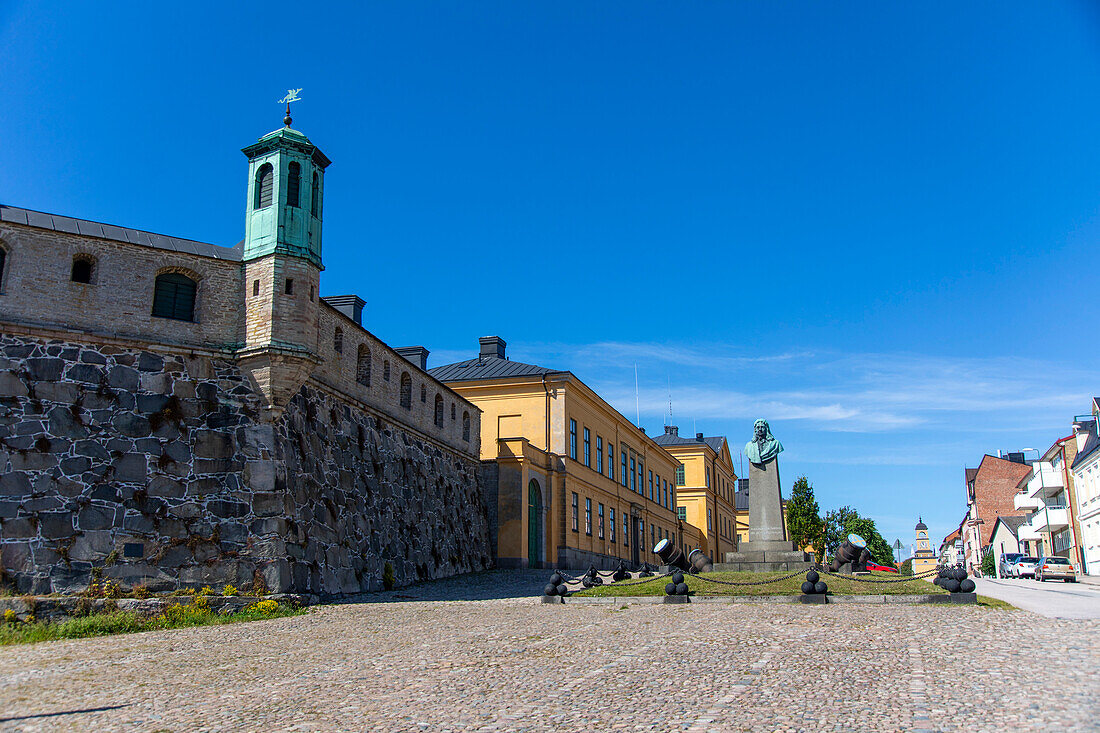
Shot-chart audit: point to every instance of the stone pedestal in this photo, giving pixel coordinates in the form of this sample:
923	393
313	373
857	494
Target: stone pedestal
767	548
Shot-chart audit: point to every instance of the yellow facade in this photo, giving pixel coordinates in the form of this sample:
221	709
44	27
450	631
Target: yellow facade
925	558
706	494
559	452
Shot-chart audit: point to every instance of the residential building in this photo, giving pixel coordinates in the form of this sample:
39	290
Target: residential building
1085	470
575	482
990	493
951	549
924	558
1005	539
1046	493
706	485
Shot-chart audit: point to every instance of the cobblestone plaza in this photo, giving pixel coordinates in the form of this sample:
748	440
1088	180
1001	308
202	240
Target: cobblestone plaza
504	662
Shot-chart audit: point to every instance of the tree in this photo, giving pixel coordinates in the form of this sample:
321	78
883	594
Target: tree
804	524
834	531
989	567
878	547
906	568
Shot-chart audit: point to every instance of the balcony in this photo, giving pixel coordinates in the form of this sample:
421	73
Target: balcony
1044	481
1026	534
1025	502
1050	519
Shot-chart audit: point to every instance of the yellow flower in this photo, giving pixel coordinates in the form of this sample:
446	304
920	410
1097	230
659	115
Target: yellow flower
9	616
230	590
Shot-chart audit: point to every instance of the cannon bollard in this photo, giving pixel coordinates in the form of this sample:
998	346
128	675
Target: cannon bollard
671	555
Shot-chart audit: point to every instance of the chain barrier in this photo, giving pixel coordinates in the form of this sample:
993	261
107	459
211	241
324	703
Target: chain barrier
902	579
702	576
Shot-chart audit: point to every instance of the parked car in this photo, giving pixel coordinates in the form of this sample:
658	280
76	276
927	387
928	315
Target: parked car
1024	567
881	568
1007	561
1055	568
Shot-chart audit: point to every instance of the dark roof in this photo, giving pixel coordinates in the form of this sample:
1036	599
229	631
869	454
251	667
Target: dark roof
1012	523
669	439
1090	446
57	223
921	524
741	500
488	368
970	474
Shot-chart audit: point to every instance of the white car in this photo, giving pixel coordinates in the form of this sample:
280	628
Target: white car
1024	567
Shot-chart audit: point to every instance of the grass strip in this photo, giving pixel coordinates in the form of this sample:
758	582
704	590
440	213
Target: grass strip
175	616
788	587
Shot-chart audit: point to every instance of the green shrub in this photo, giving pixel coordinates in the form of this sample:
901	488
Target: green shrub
988	566
387	577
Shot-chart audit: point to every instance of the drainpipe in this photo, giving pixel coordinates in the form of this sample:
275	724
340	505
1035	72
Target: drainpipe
550	469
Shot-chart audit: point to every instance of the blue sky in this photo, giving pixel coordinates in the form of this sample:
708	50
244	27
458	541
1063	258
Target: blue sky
873	225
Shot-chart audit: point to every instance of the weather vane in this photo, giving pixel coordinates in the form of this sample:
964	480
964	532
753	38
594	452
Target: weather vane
291	96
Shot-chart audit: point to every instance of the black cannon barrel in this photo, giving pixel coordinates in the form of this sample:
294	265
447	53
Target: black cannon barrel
700	562
671	555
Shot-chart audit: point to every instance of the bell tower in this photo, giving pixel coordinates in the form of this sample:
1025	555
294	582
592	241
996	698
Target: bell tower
282	263
924	559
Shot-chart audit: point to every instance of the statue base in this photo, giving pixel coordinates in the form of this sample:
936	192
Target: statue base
766	556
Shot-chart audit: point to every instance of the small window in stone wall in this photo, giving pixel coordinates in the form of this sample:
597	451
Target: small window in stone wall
466	426
386	369
423	393
337	340
290	286
439	411
255	288
3	261
452	411
406	390
82	269
362	366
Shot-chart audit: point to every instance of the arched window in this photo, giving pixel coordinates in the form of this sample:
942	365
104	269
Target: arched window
466	426
3	260
315	195
424	394
263	186
439	411
406	391
386	369
174	297
362	366
293	184
82	269
452	411
338	340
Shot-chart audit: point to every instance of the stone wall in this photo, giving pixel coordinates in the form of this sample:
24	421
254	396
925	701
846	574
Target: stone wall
153	465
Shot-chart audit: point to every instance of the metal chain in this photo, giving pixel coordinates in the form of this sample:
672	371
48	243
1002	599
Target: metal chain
757	582
903	579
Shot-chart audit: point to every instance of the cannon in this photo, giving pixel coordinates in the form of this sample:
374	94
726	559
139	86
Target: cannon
671	555
700	562
851	556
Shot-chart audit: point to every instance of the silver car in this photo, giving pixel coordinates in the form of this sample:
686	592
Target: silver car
1025	567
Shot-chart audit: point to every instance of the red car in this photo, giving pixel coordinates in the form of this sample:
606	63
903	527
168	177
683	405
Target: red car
881	568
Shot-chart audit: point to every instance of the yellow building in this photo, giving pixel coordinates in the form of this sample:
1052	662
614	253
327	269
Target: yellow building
925	558
705	489
575	482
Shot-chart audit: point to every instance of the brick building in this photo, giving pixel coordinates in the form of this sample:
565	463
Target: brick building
990	492
175	412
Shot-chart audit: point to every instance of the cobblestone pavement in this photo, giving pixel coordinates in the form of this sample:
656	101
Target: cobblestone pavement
512	664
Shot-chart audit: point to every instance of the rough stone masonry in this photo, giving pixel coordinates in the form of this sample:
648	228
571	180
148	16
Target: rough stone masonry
154	467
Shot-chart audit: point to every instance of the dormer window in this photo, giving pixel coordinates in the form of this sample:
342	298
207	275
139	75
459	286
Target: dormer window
264	185
293	184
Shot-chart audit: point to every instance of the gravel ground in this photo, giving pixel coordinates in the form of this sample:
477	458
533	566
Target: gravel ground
510	663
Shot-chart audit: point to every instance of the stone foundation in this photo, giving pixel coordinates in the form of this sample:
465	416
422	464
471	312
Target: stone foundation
157	468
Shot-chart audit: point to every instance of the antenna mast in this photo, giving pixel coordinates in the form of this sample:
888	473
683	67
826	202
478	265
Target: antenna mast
637	403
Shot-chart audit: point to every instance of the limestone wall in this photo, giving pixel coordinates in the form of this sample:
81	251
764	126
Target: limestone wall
152	464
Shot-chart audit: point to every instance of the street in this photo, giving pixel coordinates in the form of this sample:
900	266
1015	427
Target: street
1054	599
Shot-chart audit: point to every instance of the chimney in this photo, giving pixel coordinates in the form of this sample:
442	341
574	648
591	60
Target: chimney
350	305
492	347
671	430
699	437
416	354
